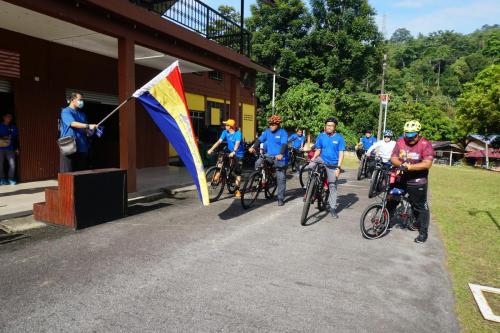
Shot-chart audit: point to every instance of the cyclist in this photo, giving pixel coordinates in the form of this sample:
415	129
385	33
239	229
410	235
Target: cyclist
330	147
275	139
297	141
383	148
365	142
234	143
415	154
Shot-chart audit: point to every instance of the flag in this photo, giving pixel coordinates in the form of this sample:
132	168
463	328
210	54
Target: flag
163	97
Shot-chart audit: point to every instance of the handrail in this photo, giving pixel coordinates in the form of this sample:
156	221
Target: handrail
202	19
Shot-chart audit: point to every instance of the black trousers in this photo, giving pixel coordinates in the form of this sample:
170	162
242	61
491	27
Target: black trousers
74	162
417	195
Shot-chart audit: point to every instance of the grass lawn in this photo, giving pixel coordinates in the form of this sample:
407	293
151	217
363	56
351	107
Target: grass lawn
465	203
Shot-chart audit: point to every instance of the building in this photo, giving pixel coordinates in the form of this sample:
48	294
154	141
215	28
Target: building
106	49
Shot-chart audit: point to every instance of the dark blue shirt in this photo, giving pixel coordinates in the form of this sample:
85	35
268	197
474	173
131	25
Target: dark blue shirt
69	115
297	140
331	146
368	142
9	131
231	139
274	140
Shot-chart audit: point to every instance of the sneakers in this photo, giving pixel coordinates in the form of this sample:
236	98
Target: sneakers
237	194
12	182
334	213
4	181
281	203
421	238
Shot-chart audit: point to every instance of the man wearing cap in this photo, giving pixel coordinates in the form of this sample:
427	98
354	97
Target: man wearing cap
237	150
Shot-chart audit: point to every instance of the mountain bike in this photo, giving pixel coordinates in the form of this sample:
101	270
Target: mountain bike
263	179
296	155
317	190
304	171
221	175
377	185
364	169
376	218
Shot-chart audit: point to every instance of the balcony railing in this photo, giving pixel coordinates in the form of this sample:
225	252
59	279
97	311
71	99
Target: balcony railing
203	19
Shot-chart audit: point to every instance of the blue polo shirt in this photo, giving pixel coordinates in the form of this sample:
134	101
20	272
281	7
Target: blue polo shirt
9	131
273	142
331	146
368	142
69	115
296	140
231	139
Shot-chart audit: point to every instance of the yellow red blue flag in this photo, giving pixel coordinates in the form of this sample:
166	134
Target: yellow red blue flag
163	97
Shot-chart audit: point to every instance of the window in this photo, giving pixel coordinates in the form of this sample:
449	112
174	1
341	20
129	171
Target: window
216	75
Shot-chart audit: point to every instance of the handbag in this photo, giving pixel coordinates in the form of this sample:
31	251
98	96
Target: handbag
67	144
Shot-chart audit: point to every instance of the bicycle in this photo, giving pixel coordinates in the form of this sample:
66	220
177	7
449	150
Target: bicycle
221	175
295	154
304	172
316	190
264	178
364	169
375	219
377	179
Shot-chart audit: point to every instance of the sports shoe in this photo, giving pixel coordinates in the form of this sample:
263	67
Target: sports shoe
334	213
12	182
281	203
237	194
4	181
421	238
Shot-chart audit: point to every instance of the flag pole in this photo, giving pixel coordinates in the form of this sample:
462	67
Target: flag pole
116	109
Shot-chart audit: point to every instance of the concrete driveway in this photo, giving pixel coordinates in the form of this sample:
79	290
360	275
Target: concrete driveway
183	268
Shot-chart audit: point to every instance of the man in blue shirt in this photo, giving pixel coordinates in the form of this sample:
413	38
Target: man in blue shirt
330	147
235	145
9	148
73	123
297	139
276	140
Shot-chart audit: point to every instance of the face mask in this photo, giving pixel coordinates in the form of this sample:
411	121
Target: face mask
79	104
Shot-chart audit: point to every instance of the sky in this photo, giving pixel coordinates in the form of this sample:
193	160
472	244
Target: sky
419	16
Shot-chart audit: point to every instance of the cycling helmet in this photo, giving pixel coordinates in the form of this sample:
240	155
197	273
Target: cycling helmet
274	119
388	133
332	120
412	126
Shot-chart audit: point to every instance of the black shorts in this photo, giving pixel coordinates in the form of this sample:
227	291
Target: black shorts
238	165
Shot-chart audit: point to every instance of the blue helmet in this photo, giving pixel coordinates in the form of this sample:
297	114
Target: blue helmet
388	133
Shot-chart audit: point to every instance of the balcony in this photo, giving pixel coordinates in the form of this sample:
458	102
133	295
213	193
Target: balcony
202	19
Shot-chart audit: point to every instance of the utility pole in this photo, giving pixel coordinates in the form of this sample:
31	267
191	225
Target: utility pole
274	88
379	131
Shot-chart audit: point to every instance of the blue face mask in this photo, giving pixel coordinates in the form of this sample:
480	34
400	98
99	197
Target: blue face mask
79	104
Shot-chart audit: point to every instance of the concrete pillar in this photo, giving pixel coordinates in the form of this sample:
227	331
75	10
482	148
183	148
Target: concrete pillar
235	98
126	87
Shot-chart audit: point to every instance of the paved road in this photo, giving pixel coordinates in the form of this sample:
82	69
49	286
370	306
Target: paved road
185	268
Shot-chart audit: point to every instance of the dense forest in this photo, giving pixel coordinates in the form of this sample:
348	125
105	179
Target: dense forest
329	58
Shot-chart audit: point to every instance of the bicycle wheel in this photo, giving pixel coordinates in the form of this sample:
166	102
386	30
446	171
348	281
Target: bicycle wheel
251	189
323	200
271	186
215	183
231	183
374	221
292	162
374	184
310	193
304	176
360	168
405	215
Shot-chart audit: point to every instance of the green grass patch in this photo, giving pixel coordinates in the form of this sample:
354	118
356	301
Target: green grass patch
350	161
465	203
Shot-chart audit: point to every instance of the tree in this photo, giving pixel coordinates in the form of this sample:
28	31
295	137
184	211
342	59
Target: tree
478	106
401	35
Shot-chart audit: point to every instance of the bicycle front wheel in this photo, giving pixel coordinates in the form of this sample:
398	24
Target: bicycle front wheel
215	183
251	189
360	168
374	184
374	221
310	193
